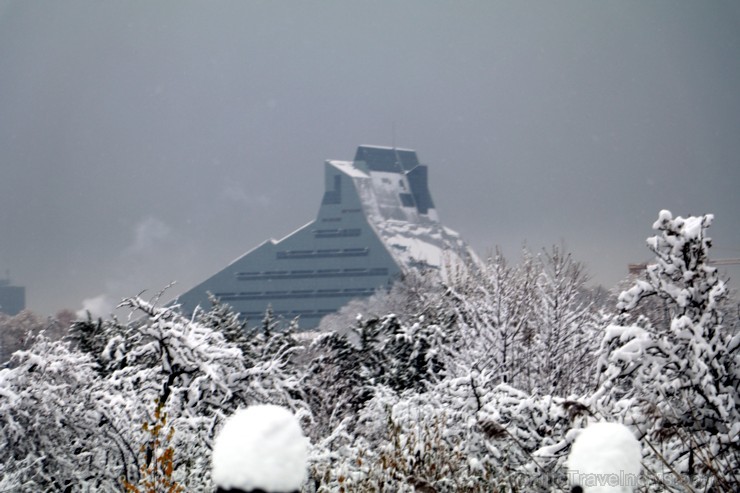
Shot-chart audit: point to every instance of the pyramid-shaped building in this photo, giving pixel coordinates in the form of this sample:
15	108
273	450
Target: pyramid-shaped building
376	221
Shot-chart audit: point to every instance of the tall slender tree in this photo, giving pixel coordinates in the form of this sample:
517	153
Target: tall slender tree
680	378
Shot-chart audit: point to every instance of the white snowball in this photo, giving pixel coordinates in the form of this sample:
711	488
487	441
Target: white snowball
260	447
605	457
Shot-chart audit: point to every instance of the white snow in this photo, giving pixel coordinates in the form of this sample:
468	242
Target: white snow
262	447
412	238
664	217
349	169
605	457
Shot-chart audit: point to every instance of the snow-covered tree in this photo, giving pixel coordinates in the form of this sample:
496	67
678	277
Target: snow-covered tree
412	355
18	331
91	336
221	317
492	306
479	382
71	412
335	384
346	369
531	324
677	383
54	431
564	326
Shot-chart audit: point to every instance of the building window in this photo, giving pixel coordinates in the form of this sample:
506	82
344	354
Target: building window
301	293
336	252
337	233
311	274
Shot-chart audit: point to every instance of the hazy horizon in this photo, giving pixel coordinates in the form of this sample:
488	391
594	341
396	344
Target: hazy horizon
150	142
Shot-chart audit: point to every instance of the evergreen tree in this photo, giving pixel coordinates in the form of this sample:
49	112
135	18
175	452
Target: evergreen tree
91	337
335	384
221	317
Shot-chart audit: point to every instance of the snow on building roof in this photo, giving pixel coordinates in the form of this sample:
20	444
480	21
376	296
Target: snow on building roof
403	215
386	148
260	447
348	168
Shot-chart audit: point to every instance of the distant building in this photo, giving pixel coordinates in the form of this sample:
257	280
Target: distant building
377	220
12	298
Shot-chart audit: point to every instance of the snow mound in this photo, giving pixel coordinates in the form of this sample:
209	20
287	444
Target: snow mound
260	447
605	457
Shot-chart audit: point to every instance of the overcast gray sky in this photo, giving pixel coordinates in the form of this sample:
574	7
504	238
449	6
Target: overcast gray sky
148	142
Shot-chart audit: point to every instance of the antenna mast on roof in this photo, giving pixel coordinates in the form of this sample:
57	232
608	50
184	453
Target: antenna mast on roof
393	136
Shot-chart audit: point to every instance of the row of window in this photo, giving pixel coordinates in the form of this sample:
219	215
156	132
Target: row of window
329	252
309	274
288	314
336	233
295	294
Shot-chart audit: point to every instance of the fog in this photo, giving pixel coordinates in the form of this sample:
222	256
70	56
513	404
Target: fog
149	142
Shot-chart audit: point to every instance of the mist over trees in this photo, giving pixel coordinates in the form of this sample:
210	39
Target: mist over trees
17	331
477	383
